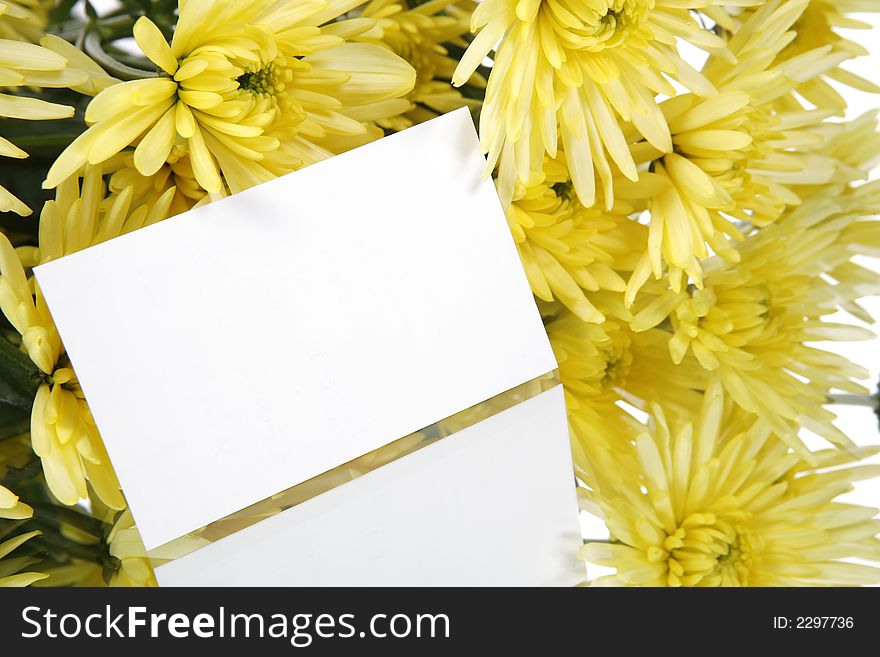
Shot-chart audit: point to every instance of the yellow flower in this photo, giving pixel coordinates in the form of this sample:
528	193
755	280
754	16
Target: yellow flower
28	65
252	90
63	432
853	145
12	508
816	29
64	436
117	556
575	69
600	365
11	574
718	501
22	20
603	365
418	32
127	547
176	173
568	250
743	155
27	311
752	323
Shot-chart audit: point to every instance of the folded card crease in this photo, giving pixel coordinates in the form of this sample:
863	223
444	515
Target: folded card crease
284	500
472	515
247	346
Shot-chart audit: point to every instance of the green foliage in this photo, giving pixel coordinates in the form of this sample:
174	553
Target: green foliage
19	377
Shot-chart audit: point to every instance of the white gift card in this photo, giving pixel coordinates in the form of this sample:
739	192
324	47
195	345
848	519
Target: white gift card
245	360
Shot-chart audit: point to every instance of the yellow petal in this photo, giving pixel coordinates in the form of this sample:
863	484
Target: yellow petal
20	580
8	499
19	55
376	73
7	547
10	203
152	152
203	165
117	135
122	98
184	121
32	109
153	44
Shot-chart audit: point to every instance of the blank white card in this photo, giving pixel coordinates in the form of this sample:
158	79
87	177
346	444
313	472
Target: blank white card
248	345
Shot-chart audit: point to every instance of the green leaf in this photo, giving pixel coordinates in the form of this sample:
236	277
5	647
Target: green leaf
19	377
53	515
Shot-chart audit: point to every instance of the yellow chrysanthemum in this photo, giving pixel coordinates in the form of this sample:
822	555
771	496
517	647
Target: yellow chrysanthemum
127	547
176	173
418	32
740	156
22	20
253	90
816	28
64	436
854	144
63	432
567	249
13	509
12	573
29	65
600	365
603	365
27	311
113	553
718	501
752	324
574	70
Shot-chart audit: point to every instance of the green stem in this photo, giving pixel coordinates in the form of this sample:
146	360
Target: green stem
54	543
92	46
871	401
27	473
51	513
19	376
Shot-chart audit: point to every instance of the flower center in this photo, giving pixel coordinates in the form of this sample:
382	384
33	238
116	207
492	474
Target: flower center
617	366
261	81
603	24
563	189
611	19
265	85
709	549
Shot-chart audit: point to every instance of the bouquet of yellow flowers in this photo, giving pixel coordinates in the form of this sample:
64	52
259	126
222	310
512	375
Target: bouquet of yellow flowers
687	196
